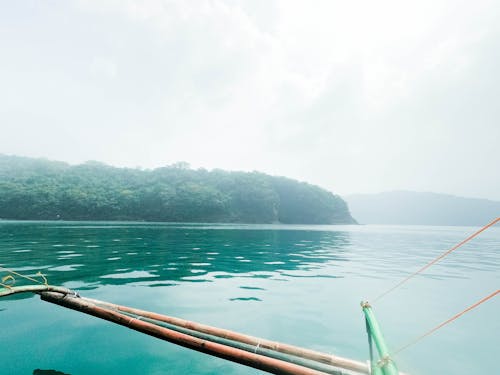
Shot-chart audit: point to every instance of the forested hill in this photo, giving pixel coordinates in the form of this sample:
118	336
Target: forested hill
38	189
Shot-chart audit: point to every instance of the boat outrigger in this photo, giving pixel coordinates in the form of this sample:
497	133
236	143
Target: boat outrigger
265	355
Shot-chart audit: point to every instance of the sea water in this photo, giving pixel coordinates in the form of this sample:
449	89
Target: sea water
296	284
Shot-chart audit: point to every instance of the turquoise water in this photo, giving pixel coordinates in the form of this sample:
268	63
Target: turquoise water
297	284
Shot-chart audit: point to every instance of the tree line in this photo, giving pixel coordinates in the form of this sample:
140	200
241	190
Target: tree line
39	189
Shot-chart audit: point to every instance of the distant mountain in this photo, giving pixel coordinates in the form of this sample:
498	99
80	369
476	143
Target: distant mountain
414	208
40	189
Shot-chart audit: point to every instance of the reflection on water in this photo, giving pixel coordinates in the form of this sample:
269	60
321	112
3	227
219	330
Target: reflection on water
161	255
295	284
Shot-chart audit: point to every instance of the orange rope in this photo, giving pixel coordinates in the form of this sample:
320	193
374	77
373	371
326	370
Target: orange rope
447	321
437	259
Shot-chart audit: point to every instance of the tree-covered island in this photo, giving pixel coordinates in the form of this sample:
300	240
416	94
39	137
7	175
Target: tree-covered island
38	189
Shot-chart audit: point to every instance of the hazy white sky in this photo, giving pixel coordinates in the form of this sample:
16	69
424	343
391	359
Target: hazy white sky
355	96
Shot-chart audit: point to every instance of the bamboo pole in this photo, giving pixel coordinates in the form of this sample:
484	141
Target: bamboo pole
260	362
10	290
328	359
247	347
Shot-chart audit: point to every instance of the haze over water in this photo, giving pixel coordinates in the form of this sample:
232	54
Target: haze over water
297	284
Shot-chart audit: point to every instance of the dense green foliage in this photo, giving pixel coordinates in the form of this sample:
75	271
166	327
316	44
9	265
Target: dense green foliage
46	190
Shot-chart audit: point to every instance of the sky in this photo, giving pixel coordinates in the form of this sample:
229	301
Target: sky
354	96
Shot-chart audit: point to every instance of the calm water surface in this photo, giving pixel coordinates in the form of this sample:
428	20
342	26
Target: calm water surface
297	284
